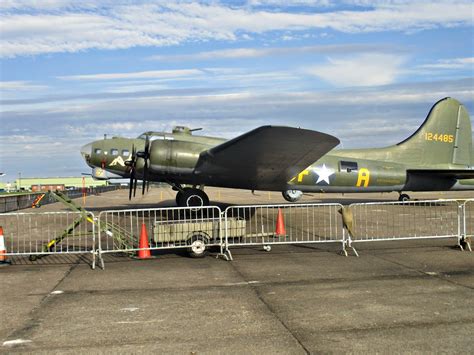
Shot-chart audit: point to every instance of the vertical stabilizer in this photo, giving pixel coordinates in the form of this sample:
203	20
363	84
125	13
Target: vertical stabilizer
444	138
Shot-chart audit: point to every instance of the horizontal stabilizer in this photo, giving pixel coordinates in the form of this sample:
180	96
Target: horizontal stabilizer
266	157
459	174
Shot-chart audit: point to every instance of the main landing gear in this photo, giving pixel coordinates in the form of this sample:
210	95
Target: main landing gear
403	197
292	195
191	197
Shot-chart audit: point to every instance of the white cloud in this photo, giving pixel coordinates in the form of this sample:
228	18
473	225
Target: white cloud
363	70
289	3
135	88
154	74
217	54
20	86
359	116
454	63
235	53
75	27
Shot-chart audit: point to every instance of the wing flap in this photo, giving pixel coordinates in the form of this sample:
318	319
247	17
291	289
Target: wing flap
264	158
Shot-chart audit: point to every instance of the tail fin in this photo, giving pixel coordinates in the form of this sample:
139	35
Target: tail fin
444	138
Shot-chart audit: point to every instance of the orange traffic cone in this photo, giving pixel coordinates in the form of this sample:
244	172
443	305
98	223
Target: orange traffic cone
280	225
3	250
144	253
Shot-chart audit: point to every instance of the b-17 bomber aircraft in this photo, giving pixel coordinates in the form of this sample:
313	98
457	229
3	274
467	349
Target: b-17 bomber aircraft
437	157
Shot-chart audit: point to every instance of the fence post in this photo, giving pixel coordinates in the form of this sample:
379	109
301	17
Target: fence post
463	238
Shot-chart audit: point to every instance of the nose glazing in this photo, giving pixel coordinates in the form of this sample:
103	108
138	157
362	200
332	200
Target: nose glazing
86	151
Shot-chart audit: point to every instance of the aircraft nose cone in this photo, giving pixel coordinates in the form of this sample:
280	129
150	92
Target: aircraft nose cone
86	151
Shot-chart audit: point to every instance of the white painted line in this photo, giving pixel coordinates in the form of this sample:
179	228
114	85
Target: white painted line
244	283
130	309
16	342
140	321
236	284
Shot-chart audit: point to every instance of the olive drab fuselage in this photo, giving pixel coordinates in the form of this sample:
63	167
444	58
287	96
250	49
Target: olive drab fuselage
443	142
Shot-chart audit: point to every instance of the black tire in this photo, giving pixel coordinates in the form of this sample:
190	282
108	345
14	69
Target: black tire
193	198
292	195
198	246
179	196
403	198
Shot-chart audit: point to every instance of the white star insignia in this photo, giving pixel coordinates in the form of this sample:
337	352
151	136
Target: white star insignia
323	173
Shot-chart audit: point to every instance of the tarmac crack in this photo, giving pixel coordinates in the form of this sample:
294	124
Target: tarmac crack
419	275
33	320
401	325
439	276
257	292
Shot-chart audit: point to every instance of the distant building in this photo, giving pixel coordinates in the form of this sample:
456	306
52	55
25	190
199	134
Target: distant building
57	183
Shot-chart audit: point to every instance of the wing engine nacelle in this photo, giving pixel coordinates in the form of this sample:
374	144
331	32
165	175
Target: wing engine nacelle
292	195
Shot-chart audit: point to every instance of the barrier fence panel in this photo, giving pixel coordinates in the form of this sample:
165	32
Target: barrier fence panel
406	220
283	224
166	228
14	202
39	234
468	222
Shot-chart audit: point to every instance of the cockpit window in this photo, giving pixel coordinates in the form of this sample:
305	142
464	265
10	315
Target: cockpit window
97	151
114	151
348	166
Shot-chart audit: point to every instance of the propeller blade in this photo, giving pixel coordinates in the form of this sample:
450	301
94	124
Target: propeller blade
130	184
146	158
147	146
135	187
132	173
145	176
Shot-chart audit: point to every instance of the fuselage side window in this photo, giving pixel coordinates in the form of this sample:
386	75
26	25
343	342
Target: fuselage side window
114	151
348	166
97	151
125	152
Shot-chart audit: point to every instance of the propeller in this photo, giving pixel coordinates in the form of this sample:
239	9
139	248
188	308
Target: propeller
145	155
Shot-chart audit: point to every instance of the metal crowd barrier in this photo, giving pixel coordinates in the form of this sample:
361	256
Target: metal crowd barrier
120	231
268	225
382	221
39	234
14	202
166	228
468	222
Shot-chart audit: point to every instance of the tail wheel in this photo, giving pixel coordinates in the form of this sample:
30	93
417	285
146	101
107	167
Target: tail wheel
198	246
403	198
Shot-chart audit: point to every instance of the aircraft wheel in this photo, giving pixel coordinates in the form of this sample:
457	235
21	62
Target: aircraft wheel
179	195
403	198
292	195
193	198
198	246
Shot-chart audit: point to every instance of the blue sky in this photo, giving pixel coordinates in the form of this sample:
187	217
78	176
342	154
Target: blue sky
365	71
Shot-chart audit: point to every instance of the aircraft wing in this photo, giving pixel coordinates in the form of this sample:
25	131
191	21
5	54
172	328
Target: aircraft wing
266	157
459	174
